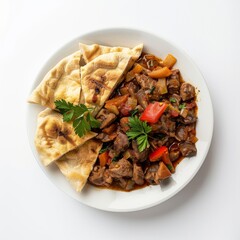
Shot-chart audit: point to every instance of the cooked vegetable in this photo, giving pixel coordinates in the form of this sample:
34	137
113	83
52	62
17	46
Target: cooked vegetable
163	172
162	85
139	130
112	108
157	154
103	158
160	73
117	101
80	115
153	112
169	61
131	74
167	161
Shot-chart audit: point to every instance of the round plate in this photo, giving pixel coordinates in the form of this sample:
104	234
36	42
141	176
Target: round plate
118	201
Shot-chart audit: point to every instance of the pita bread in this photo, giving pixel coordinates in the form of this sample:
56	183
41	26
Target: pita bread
61	82
54	137
100	77
90	52
78	164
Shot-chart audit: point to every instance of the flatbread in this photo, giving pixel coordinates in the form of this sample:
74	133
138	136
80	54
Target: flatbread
77	165
54	138
90	52
61	82
100	77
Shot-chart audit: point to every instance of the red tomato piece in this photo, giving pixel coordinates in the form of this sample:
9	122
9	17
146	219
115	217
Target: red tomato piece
153	112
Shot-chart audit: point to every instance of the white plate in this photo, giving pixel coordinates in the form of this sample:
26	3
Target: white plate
117	201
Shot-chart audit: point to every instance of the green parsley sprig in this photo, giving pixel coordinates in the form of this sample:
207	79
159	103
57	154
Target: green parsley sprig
139	130
80	115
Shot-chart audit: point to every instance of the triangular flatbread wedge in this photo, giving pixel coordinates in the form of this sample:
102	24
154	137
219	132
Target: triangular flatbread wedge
90	52
54	138
77	165
61	82
100	77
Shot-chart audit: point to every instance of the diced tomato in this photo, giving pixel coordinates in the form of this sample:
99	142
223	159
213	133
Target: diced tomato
153	112
157	154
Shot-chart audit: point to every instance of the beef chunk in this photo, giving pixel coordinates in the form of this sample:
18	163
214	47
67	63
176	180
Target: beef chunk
145	81
188	149
105	117
142	98
100	176
136	155
181	133
187	91
173	82
122	168
138	175
151	173
121	143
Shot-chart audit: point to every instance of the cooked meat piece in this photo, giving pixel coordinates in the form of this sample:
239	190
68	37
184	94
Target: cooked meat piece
124	124
187	91
177	99
173	82
121	182
130	185
156	143
105	117
190	118
164	125
145	81
188	149
151	173
121	143
122	168
174	152
136	155
162	173
106	137
142	98
132	88
100	176
181	133
138	175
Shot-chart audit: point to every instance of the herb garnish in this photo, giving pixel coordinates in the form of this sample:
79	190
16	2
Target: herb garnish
82	119
181	106
172	100
134	112
139	130
152	89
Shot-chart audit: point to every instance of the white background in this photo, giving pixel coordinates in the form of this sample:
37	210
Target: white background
33	208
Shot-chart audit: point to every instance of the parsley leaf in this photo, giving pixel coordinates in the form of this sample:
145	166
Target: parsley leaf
139	130
172	100
134	112
181	106
80	115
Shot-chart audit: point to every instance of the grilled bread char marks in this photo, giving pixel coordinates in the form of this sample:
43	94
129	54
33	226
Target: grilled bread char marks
54	138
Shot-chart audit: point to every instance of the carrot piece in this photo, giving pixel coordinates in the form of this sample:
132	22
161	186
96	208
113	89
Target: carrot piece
103	158
169	61
117	101
160	73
